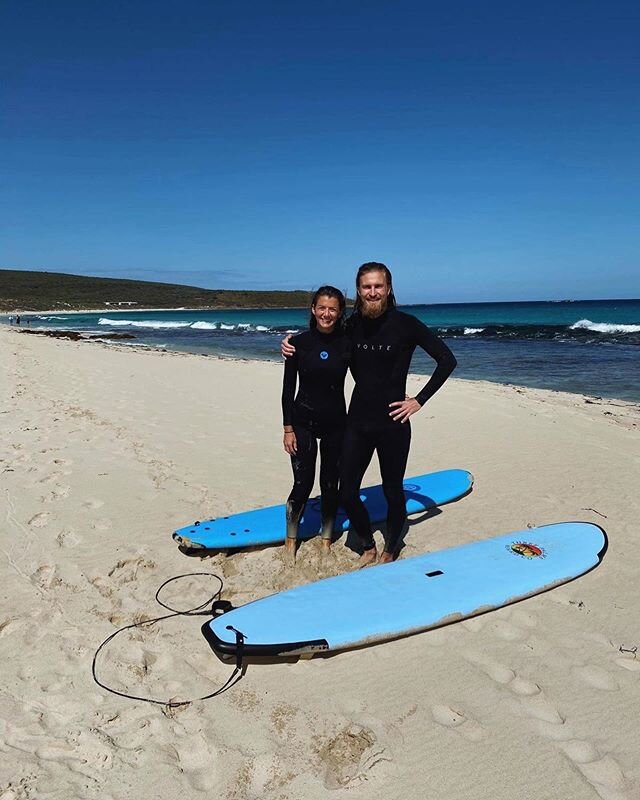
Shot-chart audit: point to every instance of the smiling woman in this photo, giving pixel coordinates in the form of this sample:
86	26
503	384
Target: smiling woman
318	412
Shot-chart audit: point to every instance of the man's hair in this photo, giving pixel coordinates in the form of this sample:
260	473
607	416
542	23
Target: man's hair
329	291
374	266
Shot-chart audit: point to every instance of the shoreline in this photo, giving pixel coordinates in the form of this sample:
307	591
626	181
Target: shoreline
630	405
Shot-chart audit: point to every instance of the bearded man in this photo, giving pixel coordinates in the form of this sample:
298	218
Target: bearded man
383	342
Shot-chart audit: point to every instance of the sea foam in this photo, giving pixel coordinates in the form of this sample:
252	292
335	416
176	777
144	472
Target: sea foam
604	327
141	323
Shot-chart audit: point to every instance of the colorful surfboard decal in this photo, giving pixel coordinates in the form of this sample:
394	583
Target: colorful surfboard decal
526	550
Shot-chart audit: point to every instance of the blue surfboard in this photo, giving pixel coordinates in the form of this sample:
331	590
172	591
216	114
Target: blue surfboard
411	595
268	526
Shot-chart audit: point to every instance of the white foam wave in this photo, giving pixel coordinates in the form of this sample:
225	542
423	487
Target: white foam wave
262	328
293	330
141	323
604	327
120	343
204	326
224	327
243	326
467	331
41	317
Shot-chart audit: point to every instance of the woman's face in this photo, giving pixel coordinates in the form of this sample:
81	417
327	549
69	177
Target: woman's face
327	313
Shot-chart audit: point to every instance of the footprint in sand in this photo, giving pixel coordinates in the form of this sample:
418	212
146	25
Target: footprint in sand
524	688
262	774
51	478
102	524
7	627
196	761
45	576
497	672
83	753
127	570
603	773
67	538
349	755
93	503
510	633
629	662
40	520
531	697
57	493
596	677
459	721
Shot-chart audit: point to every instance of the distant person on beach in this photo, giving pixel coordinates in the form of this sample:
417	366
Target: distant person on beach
17	319
318	411
383	340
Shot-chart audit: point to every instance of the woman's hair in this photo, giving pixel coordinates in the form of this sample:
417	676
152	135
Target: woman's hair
374	266
329	291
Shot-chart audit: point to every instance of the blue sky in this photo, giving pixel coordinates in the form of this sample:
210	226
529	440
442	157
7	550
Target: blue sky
483	150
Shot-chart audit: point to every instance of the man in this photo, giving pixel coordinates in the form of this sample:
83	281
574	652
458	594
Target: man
383	342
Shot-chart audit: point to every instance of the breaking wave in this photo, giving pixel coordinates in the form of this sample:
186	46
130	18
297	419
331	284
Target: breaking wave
604	327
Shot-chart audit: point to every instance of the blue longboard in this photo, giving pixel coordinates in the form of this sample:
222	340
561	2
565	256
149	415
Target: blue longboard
268	525
410	595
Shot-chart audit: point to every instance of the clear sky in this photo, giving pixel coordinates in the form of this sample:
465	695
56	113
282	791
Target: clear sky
483	150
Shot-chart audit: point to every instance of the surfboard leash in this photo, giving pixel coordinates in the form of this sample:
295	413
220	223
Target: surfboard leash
212	606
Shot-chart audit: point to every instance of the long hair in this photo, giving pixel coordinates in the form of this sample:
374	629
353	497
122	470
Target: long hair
374	266
329	291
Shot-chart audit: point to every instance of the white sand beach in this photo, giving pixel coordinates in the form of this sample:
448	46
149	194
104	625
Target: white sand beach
105	450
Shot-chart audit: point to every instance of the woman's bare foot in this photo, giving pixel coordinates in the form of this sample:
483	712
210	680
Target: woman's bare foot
387	558
290	546
368	557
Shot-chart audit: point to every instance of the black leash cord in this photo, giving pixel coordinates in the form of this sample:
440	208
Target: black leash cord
198	610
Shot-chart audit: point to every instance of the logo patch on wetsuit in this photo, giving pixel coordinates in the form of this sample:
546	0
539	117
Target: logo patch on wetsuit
324	355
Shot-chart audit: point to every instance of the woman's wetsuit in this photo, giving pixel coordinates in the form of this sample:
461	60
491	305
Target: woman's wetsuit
381	356
320	363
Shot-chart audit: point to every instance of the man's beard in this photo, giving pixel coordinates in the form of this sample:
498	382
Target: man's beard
374	308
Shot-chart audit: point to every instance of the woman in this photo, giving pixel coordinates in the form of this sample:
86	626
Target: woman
318	411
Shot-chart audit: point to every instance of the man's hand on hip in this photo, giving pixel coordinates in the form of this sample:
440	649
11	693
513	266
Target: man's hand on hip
403	409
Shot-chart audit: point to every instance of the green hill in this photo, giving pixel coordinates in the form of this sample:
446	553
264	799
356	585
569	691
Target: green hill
41	291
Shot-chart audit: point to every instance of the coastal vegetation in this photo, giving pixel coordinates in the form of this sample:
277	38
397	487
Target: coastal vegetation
26	291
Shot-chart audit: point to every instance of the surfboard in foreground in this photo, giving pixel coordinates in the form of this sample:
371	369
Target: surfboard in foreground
410	595
268	526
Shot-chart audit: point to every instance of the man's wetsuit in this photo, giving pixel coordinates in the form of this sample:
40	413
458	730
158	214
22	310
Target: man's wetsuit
381	356
320	362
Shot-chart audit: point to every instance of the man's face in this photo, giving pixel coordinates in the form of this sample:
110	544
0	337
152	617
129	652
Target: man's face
373	291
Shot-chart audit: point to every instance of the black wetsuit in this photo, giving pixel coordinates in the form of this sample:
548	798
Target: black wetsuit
320	362
381	356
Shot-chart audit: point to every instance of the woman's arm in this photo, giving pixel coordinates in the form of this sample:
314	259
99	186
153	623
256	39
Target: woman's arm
289	382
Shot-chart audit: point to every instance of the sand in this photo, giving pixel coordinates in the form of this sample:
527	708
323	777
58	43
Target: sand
106	449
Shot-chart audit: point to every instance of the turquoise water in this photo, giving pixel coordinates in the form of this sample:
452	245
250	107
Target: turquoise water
589	347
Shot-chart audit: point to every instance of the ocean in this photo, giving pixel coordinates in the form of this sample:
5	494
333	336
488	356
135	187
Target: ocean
588	347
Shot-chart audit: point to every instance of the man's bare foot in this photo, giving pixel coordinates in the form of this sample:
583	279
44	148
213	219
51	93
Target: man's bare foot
387	558
326	547
368	557
290	546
